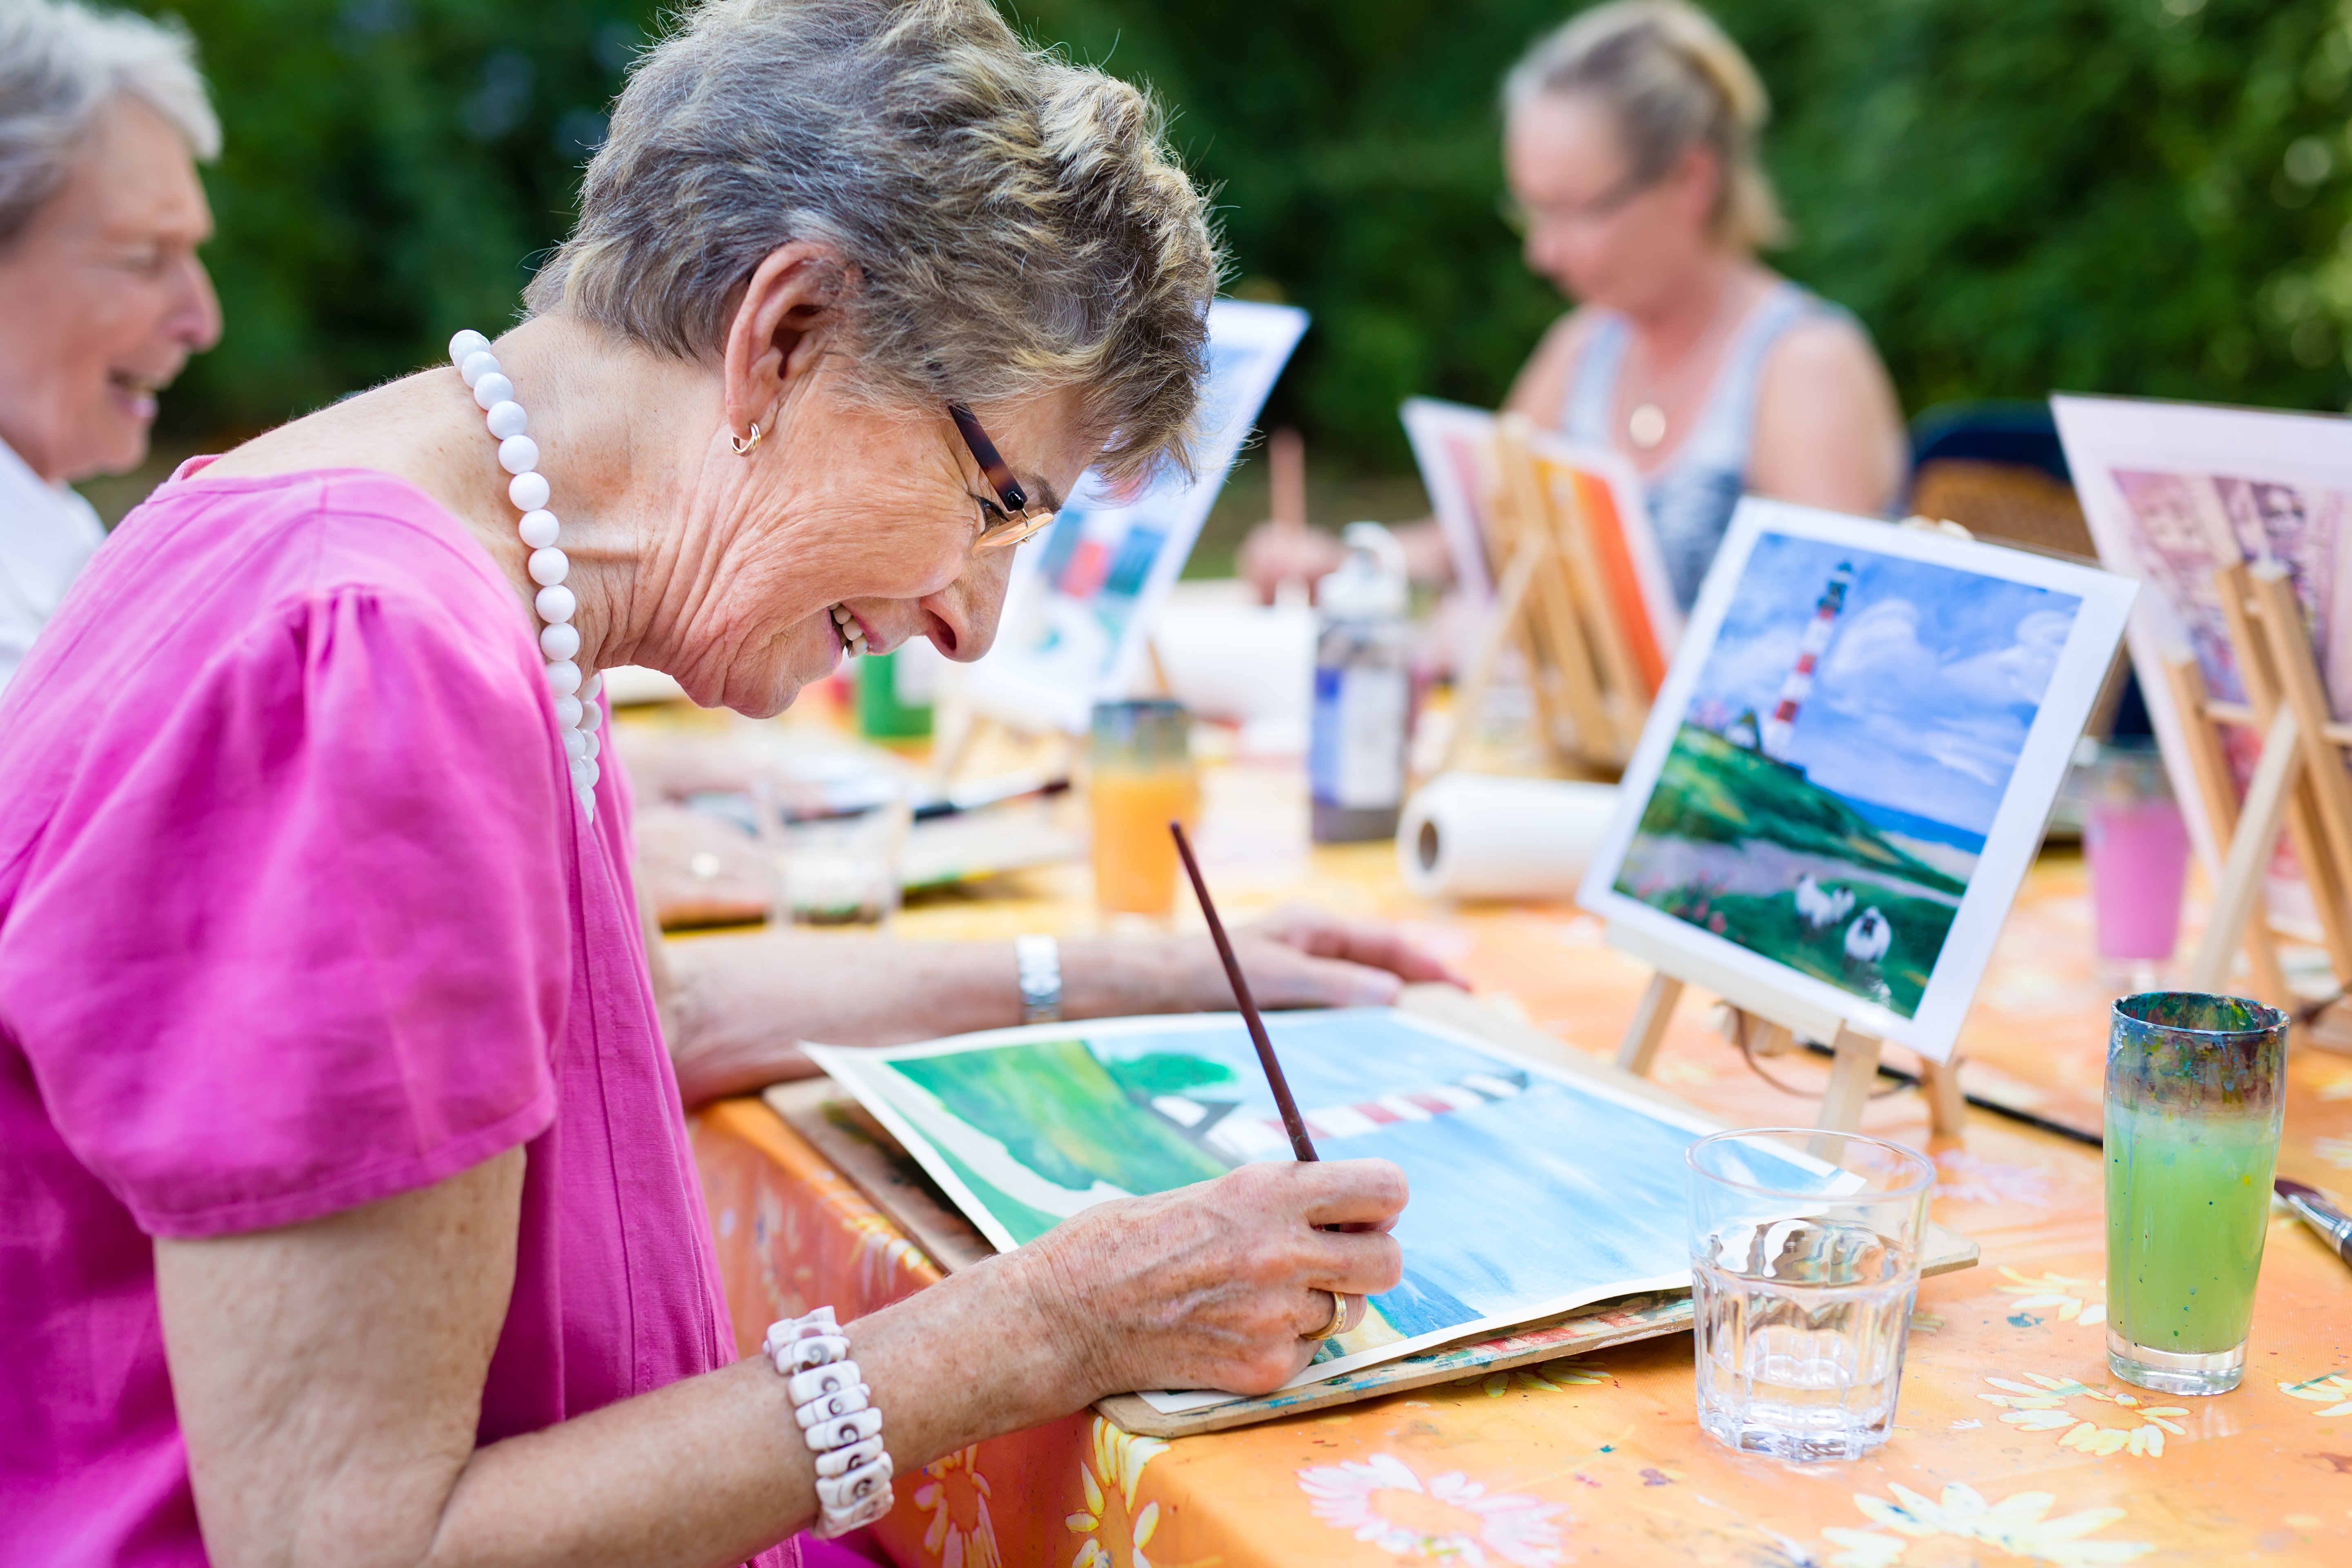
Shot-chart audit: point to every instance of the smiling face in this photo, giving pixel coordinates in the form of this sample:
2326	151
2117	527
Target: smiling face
102	298
1592	229
842	504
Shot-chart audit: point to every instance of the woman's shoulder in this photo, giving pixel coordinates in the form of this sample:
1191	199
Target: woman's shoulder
239	555
252	600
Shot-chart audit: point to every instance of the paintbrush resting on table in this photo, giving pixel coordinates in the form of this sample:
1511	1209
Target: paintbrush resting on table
2332	1223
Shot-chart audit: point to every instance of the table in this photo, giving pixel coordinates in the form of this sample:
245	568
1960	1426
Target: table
2012	1442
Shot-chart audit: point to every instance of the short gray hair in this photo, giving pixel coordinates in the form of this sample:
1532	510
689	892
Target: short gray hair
1015	223
60	64
1674	80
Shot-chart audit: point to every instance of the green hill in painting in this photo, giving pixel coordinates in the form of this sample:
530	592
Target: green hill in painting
1056	1109
1714	792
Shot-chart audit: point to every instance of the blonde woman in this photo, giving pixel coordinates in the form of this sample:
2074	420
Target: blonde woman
1630	147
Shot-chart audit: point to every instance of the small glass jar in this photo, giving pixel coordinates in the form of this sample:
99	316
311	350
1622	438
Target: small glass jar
1142	779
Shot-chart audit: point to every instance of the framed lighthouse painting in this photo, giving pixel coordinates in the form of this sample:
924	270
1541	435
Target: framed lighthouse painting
1850	765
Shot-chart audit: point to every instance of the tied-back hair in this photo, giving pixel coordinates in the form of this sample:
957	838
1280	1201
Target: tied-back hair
1673	80
1011	224
60	65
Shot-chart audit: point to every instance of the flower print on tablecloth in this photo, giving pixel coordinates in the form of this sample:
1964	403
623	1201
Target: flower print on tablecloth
2336	1152
1552	1377
1109	1473
2041	1406
1970	1179
2068	1296
1381	1502
958	1533
2333	1390
2020	1524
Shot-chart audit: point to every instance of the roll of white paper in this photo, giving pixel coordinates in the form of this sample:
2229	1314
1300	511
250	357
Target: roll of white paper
1465	835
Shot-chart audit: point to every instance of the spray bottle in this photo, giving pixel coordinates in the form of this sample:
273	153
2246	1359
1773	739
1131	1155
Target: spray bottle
1363	690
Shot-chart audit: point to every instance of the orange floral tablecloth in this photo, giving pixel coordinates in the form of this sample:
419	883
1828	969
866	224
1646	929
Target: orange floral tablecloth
2013	1444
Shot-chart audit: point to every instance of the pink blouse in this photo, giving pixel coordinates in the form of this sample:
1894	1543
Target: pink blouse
298	912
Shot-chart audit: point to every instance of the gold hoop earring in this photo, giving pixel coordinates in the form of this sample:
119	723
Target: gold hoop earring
743	444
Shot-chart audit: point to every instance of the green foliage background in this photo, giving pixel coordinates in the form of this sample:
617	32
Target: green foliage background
2142	196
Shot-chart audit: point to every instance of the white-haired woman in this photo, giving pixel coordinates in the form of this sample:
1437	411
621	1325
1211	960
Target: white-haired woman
1630	147
350	1213
102	117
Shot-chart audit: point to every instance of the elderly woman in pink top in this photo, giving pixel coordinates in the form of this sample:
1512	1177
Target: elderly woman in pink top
346	1214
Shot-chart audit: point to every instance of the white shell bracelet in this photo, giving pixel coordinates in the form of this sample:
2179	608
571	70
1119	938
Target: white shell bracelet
837	1419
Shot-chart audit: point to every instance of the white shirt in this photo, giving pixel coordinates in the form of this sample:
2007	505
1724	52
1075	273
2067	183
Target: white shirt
47	535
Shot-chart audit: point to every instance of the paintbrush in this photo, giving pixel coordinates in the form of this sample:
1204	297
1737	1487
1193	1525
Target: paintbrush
2321	1216
1292	1122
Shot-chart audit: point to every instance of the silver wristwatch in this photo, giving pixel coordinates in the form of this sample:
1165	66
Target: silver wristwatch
1039	962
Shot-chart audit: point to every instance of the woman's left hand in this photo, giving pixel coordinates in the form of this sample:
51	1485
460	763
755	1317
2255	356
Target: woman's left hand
1301	956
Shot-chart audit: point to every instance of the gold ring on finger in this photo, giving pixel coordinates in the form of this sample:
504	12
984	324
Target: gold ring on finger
1347	1312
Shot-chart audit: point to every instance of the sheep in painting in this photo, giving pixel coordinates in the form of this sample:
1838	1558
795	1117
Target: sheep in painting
1820	908
1867	940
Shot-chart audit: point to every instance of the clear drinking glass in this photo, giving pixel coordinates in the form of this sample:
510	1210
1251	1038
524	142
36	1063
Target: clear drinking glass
838	868
2193	1110
1804	1262
2138	849
1141	778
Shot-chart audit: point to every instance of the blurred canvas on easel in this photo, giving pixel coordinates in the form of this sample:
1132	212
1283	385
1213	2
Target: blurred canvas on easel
2177	493
1553	540
2234	519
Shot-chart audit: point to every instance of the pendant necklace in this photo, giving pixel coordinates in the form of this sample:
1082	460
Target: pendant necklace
1645	426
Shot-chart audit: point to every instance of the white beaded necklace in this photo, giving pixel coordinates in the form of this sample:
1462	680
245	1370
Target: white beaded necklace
576	709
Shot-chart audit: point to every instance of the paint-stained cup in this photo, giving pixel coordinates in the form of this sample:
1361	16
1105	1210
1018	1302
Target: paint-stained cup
2193	1110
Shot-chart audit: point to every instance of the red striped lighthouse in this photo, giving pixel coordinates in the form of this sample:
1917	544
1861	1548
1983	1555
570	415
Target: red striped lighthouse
1780	728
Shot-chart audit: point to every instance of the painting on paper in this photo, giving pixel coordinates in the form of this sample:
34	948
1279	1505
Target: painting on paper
1863	721
1533	1192
2174	493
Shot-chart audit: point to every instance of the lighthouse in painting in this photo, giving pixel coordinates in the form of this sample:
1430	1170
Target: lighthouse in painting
1780	728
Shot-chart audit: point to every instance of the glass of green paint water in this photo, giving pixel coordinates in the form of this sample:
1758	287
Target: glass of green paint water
2192	1131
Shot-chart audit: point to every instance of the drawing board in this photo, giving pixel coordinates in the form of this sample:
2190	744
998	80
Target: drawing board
2175	491
1534	1191
1078	611
1849	768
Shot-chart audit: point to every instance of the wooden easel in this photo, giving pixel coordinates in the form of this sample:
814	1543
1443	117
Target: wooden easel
1772	1020
1551	602
2299	783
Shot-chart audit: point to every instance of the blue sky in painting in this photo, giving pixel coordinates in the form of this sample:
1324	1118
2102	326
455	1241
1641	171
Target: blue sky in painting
1932	677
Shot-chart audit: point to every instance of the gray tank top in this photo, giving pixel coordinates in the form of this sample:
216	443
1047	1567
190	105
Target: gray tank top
1692	497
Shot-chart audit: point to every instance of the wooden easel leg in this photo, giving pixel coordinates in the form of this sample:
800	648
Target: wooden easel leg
1639	1047
1852	1073
1947	1107
1470	697
2238	896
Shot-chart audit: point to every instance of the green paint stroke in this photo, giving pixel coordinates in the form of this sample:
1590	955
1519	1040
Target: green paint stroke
1058	1110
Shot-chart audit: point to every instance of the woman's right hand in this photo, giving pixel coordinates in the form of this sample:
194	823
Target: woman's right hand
1215	1285
1274	553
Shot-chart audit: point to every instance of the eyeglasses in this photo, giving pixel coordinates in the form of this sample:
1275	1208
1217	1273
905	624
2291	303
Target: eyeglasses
1525	220
1017	519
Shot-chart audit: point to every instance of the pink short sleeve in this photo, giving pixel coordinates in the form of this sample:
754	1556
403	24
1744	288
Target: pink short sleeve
301	941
